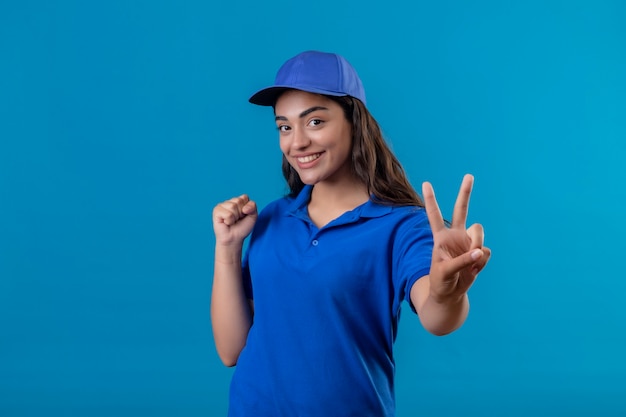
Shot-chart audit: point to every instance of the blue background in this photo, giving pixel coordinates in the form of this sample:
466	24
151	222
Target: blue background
123	123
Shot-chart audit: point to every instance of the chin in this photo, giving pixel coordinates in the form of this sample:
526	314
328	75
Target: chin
308	179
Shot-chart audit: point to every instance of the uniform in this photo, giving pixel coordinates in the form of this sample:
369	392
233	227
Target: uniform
327	304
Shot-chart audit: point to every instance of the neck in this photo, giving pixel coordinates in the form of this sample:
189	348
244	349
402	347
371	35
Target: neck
329	201
340	192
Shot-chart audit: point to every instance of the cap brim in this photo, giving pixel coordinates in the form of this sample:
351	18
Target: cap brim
269	95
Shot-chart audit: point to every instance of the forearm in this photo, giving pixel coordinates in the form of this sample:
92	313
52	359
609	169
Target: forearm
438	316
443	317
231	314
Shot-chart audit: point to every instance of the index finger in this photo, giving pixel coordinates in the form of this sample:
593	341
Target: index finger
461	206
432	208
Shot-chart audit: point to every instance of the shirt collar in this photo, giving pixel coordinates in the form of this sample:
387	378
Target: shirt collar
370	209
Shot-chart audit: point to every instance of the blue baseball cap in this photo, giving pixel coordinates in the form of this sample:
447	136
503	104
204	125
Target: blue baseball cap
313	72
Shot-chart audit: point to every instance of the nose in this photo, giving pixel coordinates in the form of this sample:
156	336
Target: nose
300	139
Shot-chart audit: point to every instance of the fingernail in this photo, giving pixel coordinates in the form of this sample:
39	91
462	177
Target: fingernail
476	254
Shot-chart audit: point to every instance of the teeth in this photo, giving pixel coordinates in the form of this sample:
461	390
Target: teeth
309	158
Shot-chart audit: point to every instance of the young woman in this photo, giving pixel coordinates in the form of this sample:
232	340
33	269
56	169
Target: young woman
310	314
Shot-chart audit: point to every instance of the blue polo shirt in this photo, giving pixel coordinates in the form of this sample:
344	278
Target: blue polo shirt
327	304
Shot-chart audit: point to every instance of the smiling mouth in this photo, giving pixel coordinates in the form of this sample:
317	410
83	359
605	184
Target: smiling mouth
308	158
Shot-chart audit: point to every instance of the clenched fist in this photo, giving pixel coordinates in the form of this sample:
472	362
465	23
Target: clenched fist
233	220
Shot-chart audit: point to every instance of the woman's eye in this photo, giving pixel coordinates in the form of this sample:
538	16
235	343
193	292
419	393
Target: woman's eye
283	128
315	122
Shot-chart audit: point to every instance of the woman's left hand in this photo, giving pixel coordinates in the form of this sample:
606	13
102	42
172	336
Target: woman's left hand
458	253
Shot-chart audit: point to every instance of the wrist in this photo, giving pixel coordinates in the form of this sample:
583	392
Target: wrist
228	253
450	300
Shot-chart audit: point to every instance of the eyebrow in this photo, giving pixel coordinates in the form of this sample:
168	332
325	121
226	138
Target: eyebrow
304	113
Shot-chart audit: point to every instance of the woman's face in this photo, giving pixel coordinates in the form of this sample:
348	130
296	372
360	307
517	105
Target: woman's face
315	137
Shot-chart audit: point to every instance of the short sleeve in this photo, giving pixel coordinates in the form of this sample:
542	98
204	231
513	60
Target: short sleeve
412	254
258	230
245	274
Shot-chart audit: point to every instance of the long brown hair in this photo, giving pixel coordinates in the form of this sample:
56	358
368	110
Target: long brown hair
373	162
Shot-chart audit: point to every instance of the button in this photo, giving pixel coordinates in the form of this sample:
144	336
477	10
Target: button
315	242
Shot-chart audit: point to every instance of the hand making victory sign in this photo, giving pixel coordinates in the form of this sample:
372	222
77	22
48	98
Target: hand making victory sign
458	253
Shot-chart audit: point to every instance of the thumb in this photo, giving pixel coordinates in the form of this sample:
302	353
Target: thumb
463	261
250	209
